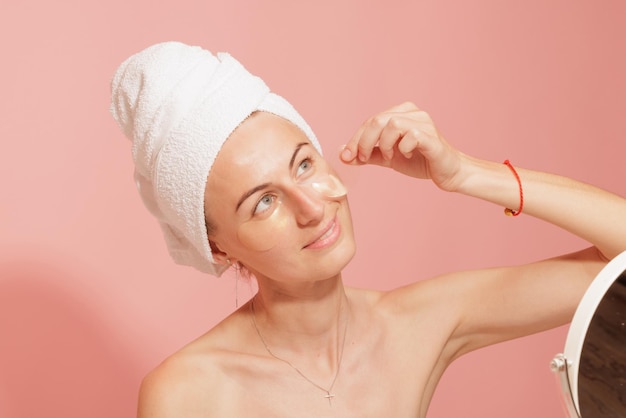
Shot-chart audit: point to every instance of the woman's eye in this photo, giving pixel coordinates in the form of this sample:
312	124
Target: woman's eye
264	204
304	166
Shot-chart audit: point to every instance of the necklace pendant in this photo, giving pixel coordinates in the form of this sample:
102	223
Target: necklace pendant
330	397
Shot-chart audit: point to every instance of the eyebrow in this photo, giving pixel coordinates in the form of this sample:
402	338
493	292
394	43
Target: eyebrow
295	153
264	185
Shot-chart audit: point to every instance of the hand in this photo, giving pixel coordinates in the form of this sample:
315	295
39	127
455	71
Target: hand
405	139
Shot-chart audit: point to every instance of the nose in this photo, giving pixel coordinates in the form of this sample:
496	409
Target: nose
308	205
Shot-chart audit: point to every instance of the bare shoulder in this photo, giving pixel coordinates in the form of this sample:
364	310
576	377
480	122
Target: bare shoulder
428	308
422	308
194	381
173	388
411	328
422	297
408	301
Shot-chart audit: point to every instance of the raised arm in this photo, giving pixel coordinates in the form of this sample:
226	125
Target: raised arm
496	304
405	139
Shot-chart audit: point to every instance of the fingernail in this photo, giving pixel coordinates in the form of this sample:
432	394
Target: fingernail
346	154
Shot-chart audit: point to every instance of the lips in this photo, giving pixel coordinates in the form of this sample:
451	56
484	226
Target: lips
328	236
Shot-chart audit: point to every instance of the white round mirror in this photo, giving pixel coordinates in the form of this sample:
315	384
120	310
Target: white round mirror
592	368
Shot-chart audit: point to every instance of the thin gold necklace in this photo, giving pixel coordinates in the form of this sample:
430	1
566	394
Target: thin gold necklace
329	395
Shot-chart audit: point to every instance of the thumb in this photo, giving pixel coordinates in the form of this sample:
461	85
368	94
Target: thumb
376	158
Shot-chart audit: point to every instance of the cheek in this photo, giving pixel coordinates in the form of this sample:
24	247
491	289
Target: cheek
329	186
263	235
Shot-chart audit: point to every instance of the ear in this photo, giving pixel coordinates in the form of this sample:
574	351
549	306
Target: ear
220	256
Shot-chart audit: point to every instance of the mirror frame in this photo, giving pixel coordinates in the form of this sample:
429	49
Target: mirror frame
566	365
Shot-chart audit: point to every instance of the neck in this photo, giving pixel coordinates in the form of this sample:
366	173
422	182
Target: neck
303	320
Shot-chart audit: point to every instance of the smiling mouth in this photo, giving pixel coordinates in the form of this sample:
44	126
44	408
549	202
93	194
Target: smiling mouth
328	237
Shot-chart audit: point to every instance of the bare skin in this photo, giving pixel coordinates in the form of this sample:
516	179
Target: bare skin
397	343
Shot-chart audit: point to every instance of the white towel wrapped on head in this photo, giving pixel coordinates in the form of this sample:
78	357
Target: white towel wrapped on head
178	104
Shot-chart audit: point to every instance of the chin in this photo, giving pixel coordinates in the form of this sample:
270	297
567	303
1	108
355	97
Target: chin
333	263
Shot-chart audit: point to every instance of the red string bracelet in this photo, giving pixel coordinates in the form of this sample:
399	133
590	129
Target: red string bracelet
511	212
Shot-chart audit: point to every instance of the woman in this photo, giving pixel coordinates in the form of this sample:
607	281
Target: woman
235	177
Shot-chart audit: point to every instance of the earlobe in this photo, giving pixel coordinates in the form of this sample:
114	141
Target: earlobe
222	258
219	256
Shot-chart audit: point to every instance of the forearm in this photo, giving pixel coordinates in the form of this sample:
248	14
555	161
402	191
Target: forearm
584	210
405	139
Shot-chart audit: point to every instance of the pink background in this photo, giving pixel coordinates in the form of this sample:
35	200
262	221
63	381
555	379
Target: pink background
89	299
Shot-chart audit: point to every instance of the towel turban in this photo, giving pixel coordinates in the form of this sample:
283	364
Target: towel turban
178	104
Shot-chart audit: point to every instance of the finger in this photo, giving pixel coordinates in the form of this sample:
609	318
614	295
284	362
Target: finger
393	131
361	145
349	151
364	139
409	142
375	158
370	135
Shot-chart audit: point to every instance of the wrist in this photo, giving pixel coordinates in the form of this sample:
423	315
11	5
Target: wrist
491	181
